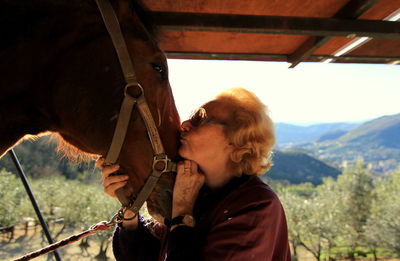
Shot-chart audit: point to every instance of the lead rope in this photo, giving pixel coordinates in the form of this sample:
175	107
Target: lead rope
101	226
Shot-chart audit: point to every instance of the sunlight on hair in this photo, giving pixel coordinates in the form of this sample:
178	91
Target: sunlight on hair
72	153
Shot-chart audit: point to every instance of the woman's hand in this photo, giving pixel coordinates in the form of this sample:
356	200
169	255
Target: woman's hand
188	183
111	183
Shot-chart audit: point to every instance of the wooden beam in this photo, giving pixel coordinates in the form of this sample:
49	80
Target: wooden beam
351	10
354	9
226	56
306	49
276	25
276	57
355	59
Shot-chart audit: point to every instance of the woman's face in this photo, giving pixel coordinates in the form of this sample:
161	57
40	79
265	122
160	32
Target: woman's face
203	138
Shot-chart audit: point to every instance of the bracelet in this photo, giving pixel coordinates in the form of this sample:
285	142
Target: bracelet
179	225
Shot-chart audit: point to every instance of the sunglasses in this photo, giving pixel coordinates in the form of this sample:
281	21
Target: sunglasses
200	117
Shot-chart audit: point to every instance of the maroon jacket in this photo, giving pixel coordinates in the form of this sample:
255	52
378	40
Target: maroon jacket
242	221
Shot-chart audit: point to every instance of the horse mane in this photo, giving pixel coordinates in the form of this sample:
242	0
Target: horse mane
70	152
63	148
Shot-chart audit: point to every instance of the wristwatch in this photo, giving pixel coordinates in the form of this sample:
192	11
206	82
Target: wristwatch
185	220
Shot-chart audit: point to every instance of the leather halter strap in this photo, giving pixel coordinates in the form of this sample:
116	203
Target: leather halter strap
161	162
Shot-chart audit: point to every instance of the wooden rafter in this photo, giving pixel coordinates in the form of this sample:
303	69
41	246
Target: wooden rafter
277	57
351	10
277	25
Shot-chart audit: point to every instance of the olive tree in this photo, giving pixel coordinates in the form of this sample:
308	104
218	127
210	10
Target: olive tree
355	189
383	226
11	196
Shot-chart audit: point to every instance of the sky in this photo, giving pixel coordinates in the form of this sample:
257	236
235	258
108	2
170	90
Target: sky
307	94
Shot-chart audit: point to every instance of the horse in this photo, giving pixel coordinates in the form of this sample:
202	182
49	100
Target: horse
60	74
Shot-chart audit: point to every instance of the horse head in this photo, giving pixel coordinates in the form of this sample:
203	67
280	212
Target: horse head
62	74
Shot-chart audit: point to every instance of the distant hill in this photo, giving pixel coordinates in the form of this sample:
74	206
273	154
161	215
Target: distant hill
383	131
289	134
298	167
331	135
377	142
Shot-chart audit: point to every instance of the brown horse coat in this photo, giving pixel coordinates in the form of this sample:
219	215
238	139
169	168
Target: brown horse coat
59	73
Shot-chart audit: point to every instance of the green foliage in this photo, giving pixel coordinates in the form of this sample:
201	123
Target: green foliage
384	223
305	190
79	205
356	193
352	216
11	198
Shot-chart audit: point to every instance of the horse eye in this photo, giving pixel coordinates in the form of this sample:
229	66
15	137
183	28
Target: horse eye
160	69
157	67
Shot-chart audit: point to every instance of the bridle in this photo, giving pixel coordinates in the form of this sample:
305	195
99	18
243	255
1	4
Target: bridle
161	162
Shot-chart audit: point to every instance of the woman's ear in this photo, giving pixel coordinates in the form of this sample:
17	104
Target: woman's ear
237	155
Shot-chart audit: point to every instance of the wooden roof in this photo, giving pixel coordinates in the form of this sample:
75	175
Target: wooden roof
279	30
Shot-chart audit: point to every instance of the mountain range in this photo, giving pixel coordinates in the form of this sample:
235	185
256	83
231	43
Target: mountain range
289	134
377	142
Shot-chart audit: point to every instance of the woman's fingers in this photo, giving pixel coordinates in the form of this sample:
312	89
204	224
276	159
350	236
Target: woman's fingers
110	189
188	169
108	170
111	182
114	179
187	185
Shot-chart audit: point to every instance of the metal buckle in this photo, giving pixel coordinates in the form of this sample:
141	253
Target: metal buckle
119	217
134	84
160	159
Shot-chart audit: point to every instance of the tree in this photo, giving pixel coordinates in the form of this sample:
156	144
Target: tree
312	217
82	206
355	189
78	205
384	224
295	213
11	197
326	214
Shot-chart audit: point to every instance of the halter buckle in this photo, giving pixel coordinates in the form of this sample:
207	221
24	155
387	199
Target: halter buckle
134	84
161	163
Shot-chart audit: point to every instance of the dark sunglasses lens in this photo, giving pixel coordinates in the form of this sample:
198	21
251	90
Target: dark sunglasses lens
198	117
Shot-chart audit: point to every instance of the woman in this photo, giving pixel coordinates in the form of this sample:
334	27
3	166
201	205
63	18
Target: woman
221	210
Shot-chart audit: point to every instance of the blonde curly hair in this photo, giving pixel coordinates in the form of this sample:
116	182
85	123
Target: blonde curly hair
250	130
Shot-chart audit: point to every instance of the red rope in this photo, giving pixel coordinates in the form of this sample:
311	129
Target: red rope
92	230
